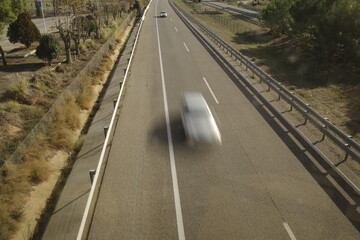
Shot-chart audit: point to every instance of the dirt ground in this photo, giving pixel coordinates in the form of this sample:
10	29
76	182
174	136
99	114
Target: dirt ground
40	193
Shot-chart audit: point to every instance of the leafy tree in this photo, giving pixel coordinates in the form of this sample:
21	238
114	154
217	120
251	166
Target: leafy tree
48	49
90	25
331	27
277	15
23	30
9	9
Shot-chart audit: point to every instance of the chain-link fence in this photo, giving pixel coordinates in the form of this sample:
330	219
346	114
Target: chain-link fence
42	126
228	22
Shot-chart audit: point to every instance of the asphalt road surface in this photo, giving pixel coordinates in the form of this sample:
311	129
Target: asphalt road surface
157	187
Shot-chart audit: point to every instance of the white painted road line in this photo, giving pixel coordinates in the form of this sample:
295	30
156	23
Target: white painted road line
210	90
170	19
179	218
186	47
288	229
176	29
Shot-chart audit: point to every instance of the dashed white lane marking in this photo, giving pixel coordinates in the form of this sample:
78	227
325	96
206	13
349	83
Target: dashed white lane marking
179	218
212	93
187	49
176	29
288	229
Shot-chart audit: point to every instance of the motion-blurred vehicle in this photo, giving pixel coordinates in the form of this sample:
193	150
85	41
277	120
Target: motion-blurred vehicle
198	121
163	14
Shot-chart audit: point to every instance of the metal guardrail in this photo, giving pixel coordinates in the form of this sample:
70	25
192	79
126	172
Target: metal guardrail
341	139
86	219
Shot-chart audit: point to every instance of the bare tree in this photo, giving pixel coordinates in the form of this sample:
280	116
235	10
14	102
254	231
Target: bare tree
65	33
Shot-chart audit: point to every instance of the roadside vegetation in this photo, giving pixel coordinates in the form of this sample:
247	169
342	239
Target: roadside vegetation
33	92
327	78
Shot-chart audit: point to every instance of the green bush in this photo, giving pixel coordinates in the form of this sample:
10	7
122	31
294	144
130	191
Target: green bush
23	30
48	49
12	106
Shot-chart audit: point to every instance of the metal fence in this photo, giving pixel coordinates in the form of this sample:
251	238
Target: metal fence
342	140
42	126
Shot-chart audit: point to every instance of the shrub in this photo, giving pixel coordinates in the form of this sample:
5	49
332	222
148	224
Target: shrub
19	87
85	95
47	77
90	25
60	138
23	30
48	49
7	226
67	114
37	171
30	114
82	46
12	106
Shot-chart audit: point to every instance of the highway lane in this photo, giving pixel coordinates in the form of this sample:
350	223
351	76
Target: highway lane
251	187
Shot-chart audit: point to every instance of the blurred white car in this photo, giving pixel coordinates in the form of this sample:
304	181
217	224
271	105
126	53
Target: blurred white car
163	14
199	124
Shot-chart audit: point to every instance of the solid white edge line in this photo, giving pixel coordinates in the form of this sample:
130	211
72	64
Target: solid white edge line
216	116
288	229
92	190
187	49
211	91
176	29
179	218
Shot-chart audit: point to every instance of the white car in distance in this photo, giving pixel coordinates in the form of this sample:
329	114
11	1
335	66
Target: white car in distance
163	14
198	121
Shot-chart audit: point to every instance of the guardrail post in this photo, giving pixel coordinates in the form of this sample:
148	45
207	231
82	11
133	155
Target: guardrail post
92	175
323	136
279	97
305	122
346	154
106	128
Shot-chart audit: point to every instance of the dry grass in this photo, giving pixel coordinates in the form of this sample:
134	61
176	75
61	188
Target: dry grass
16	181
86	92
13	191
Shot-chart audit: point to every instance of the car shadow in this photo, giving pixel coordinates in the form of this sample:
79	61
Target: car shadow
179	139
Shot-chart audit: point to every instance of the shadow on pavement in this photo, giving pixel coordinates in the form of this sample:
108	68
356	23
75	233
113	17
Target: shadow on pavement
180	143
70	202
